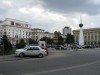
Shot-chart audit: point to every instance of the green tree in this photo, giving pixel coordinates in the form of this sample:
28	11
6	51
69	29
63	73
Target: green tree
21	44
47	40
60	40
31	41
7	46
43	39
69	39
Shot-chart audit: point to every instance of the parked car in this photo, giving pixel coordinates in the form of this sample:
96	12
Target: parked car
31	51
74	46
89	46
45	49
58	47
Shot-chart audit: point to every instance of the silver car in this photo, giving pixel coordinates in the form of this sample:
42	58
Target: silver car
31	51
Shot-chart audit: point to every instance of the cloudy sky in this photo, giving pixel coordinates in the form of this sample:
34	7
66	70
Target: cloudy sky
53	15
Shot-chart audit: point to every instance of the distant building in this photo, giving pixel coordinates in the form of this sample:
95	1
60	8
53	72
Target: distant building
91	36
37	34
49	35
15	30
67	30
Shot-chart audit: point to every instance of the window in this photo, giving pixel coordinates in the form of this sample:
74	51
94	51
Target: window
12	22
30	48
4	33
35	48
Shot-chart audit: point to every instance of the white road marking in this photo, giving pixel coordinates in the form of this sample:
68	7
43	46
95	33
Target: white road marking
62	69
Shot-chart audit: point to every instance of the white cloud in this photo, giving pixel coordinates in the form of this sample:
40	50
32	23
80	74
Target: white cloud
56	21
23	10
7	2
33	12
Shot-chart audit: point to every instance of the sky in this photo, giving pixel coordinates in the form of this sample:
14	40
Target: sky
53	15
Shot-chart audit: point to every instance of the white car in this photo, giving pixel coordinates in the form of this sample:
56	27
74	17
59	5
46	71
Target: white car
31	51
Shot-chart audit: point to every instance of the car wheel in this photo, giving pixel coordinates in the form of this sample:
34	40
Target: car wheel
40	55
21	55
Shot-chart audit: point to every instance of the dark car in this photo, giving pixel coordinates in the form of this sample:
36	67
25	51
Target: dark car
89	46
59	47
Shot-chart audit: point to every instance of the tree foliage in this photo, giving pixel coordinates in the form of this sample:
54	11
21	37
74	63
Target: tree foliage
32	41
7	46
69	39
21	44
47	40
60	40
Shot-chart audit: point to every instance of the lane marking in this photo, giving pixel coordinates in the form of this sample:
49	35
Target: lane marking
62	69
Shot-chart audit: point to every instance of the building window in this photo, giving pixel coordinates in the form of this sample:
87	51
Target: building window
85	37
88	37
12	22
95	37
4	33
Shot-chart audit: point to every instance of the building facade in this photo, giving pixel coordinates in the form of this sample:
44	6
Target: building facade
91	36
37	34
49	35
67	30
15	30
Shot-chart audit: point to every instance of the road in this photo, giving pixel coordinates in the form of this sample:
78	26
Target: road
82	62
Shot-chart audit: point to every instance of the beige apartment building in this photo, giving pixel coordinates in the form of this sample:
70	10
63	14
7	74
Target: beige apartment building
91	36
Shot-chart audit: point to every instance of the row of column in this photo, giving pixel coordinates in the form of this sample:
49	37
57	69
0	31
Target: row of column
89	38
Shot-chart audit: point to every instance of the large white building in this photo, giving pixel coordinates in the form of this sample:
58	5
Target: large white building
15	30
67	30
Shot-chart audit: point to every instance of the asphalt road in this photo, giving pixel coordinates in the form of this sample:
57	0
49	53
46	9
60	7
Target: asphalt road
82	62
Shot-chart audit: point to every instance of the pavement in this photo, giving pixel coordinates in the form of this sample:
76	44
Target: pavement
52	53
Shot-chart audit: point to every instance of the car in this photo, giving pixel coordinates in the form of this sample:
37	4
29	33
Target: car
31	51
75	46
89	46
58	47
45	49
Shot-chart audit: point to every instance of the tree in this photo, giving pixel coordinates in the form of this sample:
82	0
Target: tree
31	41
43	39
69	39
60	40
47	40
7	46
21	44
